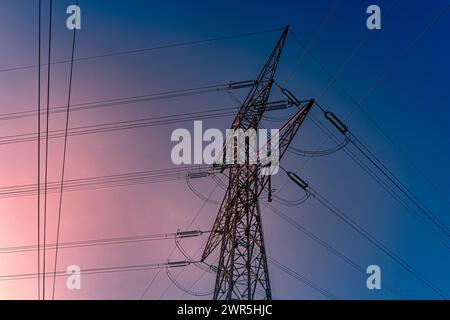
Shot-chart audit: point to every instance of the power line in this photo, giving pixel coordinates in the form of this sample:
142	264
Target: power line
124	125
341	88
382	168
319	153
150	284
243	267
398	60
186	290
61	191
173	280
133	124
302	278
189	290
346	63
39	154
199	195
376	83
353	225
121	101
149	49
101	270
201	265
198	250
46	138
370	172
63	162
264	294
381	183
314	39
127	124
291	273
106	241
403	189
108	181
130	124
325	245
154	237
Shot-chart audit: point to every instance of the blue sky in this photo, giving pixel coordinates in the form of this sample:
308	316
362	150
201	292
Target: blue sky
401	71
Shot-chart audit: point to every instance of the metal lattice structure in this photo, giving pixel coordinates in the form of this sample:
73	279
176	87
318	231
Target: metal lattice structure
242	270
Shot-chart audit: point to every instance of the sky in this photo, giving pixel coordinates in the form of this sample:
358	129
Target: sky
399	75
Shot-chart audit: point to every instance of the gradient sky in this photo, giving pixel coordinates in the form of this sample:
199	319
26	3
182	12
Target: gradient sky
404	77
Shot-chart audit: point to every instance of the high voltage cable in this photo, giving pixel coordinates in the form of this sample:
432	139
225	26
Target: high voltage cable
38	183
123	125
323	25
202	265
102	270
46	139
173	280
186	290
206	268
198	250
361	231
382	168
301	278
291	273
399	185
381	183
106	241
398	60
150	284
148	49
121	101
389	69
128	124
320	153
277	199
279	265
346	63
375	177
377	243
39	154
190	289
199	195
403	189
325	244
290	203
61	191
358	268
107	181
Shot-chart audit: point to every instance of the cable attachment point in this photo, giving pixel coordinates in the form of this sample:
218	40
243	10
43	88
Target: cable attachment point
198	175
189	234
298	181
177	264
336	122
240	84
290	96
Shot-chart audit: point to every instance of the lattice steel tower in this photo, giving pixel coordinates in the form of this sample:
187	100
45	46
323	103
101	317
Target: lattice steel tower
242	270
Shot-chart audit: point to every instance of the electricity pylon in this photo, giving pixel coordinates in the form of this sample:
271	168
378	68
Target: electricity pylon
242	270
